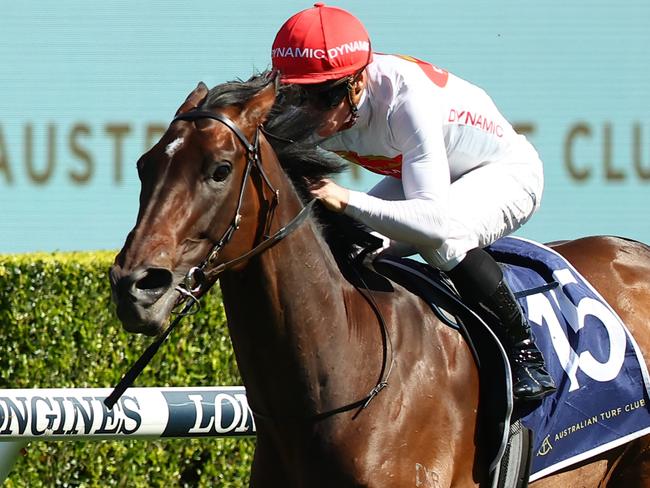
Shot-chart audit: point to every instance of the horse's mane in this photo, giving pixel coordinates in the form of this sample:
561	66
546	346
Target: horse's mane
289	128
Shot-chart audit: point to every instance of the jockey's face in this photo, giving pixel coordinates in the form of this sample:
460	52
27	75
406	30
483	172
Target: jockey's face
334	119
334	105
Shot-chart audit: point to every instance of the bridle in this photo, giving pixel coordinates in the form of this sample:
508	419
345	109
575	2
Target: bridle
200	278
205	273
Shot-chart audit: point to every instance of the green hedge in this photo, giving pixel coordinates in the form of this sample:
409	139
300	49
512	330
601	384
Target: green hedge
58	328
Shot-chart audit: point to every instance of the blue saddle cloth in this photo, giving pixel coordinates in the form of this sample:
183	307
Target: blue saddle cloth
602	398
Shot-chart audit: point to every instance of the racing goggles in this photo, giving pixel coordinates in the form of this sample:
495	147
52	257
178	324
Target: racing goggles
326	96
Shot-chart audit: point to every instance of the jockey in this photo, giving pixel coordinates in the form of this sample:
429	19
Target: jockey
457	176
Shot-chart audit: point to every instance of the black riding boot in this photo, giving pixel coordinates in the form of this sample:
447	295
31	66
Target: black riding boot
530	380
479	280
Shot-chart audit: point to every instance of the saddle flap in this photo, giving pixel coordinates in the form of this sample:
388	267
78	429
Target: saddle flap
495	380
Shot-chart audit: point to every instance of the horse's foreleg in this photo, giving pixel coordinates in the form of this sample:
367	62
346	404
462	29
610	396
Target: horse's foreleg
267	470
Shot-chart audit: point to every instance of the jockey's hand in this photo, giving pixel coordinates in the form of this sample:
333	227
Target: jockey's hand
370	256
333	196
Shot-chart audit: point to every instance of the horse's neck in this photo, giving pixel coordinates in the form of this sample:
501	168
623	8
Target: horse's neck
291	326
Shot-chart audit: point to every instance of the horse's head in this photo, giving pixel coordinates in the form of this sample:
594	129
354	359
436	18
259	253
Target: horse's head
193	183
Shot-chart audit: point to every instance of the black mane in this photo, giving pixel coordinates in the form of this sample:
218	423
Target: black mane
289	128
302	160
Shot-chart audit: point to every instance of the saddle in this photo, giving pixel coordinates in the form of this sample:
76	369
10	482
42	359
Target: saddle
508	447
588	350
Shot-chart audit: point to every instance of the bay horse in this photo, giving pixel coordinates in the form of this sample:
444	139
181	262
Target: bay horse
224	197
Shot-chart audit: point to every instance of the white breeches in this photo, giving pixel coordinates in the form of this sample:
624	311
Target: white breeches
486	204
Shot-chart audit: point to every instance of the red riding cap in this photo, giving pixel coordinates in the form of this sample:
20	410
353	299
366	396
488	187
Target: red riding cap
320	44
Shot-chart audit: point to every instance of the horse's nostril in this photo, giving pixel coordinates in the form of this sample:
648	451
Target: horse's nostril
155	279
141	287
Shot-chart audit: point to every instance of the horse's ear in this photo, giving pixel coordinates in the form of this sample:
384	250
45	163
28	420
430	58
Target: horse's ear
259	106
194	99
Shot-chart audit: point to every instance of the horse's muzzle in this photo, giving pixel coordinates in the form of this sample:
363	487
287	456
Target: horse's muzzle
144	297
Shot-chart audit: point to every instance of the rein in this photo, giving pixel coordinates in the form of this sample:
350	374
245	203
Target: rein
199	279
384	374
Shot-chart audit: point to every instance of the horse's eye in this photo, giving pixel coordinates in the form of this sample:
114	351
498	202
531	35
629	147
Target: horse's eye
221	172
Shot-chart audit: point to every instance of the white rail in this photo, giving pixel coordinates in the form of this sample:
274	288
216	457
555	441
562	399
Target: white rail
79	413
149	413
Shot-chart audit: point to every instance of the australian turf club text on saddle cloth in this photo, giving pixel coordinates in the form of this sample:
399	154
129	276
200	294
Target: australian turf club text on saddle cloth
602	397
